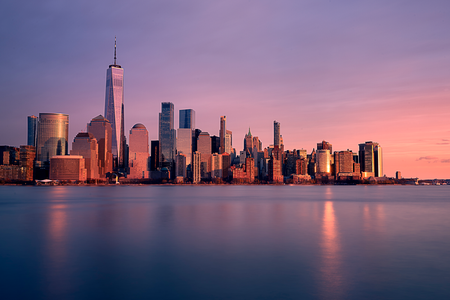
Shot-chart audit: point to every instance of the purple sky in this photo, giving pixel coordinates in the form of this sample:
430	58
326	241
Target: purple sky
341	71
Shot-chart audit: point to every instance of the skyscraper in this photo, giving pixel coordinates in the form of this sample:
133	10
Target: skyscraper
371	158
101	129
184	143
276	134
114	110
187	118
32	130
85	144
222	133
167	136
53	136
138	152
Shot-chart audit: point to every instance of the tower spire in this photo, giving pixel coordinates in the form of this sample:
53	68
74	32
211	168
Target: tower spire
115	47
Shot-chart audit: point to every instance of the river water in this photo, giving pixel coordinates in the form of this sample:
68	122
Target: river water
225	242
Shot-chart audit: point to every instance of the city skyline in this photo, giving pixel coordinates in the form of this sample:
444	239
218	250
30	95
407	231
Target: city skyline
346	74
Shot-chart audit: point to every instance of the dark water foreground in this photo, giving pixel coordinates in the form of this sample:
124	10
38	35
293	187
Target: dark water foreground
225	242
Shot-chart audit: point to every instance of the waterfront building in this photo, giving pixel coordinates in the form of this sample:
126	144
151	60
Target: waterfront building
184	143
196	171
323	160
398	175
343	163
85	145
226	164
167	136
187	119
276	165
228	141
138	152
154	158
32	130
276	133
204	147
114	111
216	165
301	166
52	139
180	169
67	167
100	127
222	133
371	158
27	156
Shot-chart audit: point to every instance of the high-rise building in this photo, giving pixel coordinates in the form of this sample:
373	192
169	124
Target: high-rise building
32	130
52	139
325	146
184	143
100	127
27	155
138	152
215	144
114	111
276	134
85	144
371	158
154	158
216	165
187	118
196	170
222	133
323	160
180	169
228	141
67	167
167	136
343	163
248	142
204	147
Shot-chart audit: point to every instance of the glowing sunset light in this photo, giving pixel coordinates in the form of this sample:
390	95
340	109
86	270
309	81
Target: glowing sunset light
344	72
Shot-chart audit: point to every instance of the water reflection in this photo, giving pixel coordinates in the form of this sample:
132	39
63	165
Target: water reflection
331	267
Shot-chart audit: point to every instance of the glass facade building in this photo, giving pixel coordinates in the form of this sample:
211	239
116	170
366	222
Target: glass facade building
32	130
187	118
276	134
53	136
167	135
114	111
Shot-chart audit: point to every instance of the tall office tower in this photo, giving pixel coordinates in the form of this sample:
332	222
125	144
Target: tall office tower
222	133
196	171
114	111
85	144
154	156
301	166
195	135
325	146
248	142
378	155
228	141
167	136
250	169
138	152
323	158
276	165
32	130
27	155
343	163
276	134
371	158
100	127
180	165
184	143
215	144
52	139
204	147
187	118
398	175
216	165
226	164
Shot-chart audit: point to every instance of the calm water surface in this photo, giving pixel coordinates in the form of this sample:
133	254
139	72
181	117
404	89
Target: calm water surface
225	242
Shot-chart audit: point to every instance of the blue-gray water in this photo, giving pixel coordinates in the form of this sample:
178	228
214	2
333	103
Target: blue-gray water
225	242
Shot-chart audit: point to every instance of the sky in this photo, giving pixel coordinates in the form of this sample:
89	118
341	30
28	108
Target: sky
341	71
